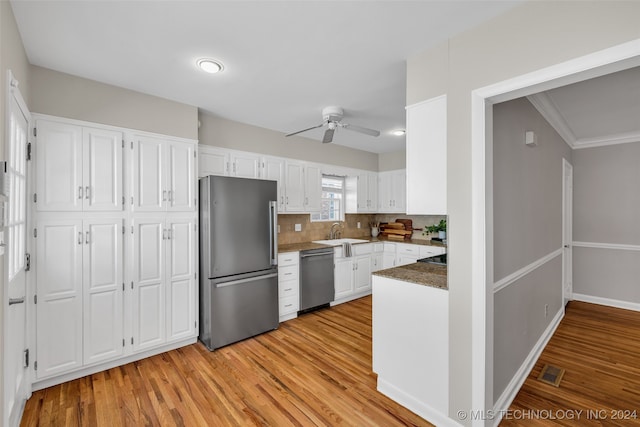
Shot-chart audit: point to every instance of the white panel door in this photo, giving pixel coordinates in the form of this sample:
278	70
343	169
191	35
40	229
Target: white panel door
372	182
59	167
567	231
362	277
102	171
312	188
182	182
274	171
181	281
245	166
399	190
103	289
59	291
212	161
294	188
343	277
148	283
148	175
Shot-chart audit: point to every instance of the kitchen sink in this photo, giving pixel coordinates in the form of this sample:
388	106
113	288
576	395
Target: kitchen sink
336	242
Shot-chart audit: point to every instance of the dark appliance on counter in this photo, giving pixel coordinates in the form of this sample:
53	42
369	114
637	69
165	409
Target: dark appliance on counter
316	278
438	259
238	259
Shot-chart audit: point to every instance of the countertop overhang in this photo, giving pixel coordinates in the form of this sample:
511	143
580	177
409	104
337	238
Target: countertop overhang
420	273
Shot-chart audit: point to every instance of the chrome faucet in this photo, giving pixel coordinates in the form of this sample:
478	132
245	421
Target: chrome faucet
333	233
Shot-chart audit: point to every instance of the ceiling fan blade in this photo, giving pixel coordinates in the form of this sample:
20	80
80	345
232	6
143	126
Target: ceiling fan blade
304	130
328	135
360	129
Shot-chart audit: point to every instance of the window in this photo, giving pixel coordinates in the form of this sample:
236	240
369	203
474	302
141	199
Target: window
332	200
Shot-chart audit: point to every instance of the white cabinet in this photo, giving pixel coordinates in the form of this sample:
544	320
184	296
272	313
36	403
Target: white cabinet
352	275
427	139
245	165
79	168
212	161
377	257
392	188
273	170
163	173
80	293
303	187
164	280
288	285
362	193
389	255
406	253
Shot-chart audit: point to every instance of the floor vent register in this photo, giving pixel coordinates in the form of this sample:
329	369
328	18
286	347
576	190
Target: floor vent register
551	375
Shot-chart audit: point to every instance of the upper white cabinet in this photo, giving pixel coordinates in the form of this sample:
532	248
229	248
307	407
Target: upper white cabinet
312	188
212	161
427	142
273	169
163	175
303	187
392	191
78	168
362	193
245	165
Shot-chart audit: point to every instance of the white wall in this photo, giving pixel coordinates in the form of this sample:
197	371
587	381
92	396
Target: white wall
523	40
224	133
64	95
606	203
392	161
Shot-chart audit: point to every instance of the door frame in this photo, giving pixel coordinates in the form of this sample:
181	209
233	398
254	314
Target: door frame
567	232
616	58
13	419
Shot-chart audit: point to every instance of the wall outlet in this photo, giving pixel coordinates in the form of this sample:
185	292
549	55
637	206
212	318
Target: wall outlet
278	228
297	227
358	224
546	310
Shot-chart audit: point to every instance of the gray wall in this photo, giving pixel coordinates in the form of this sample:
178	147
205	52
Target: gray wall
606	207
523	40
527	214
224	133
64	95
392	161
12	57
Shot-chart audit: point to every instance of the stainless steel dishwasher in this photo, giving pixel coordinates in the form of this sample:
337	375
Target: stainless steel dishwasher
316	278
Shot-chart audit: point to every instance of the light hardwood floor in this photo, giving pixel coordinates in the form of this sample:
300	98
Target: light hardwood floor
600	349
314	370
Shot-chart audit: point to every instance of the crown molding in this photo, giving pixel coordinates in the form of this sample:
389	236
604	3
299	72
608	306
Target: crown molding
547	108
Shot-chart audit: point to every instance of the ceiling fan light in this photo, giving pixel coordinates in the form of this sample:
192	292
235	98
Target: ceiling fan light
210	66
398	132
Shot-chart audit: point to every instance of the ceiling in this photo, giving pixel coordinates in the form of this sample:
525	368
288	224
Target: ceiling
284	60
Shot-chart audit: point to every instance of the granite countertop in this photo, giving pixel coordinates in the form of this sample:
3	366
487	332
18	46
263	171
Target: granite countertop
303	246
419	273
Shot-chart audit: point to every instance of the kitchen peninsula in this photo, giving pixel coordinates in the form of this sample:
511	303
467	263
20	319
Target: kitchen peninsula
411	338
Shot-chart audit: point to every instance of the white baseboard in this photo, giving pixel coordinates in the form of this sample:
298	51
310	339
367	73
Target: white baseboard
59	379
507	396
351	297
607	301
417	407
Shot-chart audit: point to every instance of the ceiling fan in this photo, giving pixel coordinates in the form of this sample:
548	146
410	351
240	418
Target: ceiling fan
332	118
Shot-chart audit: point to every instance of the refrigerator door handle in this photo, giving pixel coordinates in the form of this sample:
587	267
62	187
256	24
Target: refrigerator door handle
241	281
273	232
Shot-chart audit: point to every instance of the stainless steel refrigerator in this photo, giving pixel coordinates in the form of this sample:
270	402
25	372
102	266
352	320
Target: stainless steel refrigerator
238	259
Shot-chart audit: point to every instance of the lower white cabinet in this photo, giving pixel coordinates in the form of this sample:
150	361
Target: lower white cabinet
79	308
288	285
352	275
377	257
164	280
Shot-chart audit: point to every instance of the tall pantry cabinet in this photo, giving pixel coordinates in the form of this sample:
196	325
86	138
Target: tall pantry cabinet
115	238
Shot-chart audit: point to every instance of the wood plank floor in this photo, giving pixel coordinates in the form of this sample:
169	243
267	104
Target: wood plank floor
600	349
314	370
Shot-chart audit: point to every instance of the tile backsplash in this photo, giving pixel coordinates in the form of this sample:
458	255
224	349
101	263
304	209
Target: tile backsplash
349	228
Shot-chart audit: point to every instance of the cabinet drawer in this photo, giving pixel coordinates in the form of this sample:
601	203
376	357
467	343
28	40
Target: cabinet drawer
288	288
411	250
289	272
361	249
289	304
288	258
428	251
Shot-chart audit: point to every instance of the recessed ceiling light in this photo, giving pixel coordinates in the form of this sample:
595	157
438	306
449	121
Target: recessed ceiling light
210	65
398	132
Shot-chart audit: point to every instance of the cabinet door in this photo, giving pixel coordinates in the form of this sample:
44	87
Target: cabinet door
294	188
312	188
372	183
274	171
388	260
59	289
149	277
362	277
245	166
59	184
343	277
181	281
102	170
182	182
384	192
363	193
399	190
103	289
405	259
148	173
212	161
376	262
